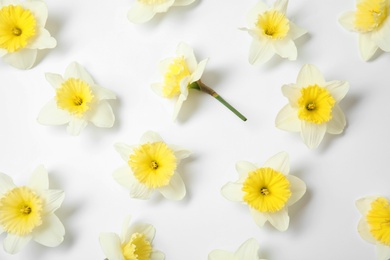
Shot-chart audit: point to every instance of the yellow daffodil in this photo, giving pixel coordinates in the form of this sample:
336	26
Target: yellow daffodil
272	32
152	165
268	190
371	21
144	10
182	73
27	212
22	32
134	243
78	100
247	251
313	106
374	226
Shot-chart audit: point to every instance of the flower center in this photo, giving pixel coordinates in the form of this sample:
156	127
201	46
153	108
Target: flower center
315	105
152	2
378	219
177	70
17	27
20	211
138	248
266	190
370	14
273	24
153	164
74	95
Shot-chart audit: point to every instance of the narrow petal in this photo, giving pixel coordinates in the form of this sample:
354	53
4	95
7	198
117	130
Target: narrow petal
6	183
367	46
39	179
287	119
101	93
254	13
140	13
382	252
338	122
279	162
23	59
295	31
310	75
199	71
43	40
280	219
111	246
148	230
53	200
175	190
382	36
180	153
243	168
312	134
286	49
102	115
259	217
124	150
364	204
55	80
157	255
364	232
183	2
39	10
178	106
50	114
150	137
75	70
13	244
249	250
347	20
50	233
297	188
260	52
338	89
219	254
76	125
233	192
281	5
184	50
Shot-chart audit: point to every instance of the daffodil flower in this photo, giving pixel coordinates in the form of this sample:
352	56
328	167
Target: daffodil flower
27	212
371	21
313	106
182	73
374	225
247	251
151	165
135	242
272	32
268	190
144	10
78	100
22	32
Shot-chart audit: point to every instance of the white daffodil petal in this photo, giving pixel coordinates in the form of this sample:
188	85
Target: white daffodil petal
125	227
101	93
254	13
43	40
163	7
150	137
3	52
178	106
243	168
259	217
312	134
50	233
175	190
309	76
184	50
286	49
219	254
140	13
295	31
347	20
292	92
158	89
382	36
6	183
139	191
338	122
50	114
124	150
148	230
111	246
76	125
248	250
55	80
53	200
39	10
183	2
22	59
382	252
287	119
364	204
279	162
75	70
338	89
260	52
233	192
180	153
280	5
280	219
297	188
39	179
13	244
364	231
157	255
367	46
102	115
199	71
123	176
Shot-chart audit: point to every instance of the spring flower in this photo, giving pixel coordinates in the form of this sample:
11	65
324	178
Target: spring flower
267	190
182	73
78	100
313	106
372	21
151	165
247	251
144	10
135	242
22	32
272	32
27	212
374	226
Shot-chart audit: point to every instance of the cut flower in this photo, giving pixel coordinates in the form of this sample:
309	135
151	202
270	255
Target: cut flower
247	251
272	32
135	242
182	73
267	190
151	165
27	212
374	226
22	32
372	21
78	100
144	10
313	106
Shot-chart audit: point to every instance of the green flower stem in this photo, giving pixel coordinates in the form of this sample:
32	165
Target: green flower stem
199	85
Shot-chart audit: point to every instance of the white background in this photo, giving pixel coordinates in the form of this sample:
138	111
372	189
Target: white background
124	57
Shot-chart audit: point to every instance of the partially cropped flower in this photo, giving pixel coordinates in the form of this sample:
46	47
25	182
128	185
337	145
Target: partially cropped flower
374	226
371	21
272	32
78	100
135	242
182	73
313	106
151	165
268	190
27	212
22	32
247	251
144	10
